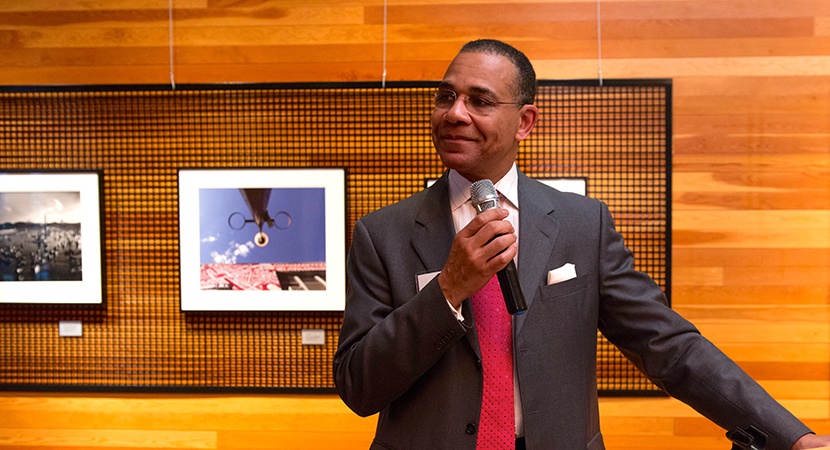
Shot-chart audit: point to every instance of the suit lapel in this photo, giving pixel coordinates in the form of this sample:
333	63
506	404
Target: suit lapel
537	235
434	230
432	240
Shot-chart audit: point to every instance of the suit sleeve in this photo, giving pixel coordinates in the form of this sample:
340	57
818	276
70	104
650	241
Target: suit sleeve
391	334
674	355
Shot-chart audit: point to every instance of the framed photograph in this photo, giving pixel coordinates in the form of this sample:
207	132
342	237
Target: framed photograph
262	239
51	237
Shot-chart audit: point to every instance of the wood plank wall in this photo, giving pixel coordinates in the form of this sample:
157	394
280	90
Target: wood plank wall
751	181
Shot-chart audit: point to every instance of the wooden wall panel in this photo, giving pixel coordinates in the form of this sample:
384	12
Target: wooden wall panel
751	175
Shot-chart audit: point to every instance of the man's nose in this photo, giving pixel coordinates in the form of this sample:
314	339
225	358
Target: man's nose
458	112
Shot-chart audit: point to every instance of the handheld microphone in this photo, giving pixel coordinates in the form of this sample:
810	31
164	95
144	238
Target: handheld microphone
483	195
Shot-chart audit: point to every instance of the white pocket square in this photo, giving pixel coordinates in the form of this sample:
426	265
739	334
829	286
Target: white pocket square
564	273
422	279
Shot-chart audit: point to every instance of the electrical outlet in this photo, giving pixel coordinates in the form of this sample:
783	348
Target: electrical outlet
70	328
314	337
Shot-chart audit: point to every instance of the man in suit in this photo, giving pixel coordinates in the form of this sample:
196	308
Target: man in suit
409	345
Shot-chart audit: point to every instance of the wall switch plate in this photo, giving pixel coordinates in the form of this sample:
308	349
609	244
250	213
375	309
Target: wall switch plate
70	328
314	336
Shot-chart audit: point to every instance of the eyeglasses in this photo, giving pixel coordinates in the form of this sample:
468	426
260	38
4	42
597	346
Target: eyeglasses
476	104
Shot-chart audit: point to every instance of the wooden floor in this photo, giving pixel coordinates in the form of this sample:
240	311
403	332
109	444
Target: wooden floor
289	422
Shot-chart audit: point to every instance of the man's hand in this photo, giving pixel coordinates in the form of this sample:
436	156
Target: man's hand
811	441
478	251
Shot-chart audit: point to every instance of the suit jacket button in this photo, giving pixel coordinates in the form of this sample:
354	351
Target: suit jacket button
471	428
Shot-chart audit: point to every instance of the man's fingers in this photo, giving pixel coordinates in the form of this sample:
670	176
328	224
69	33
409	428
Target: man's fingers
481	220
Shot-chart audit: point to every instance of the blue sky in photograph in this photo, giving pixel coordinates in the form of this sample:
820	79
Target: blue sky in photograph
303	241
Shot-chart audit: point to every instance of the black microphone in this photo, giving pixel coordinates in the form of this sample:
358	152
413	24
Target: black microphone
483	195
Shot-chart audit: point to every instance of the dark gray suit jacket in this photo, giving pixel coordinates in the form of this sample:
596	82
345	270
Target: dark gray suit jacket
403	353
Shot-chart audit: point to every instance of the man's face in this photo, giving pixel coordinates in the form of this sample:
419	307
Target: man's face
480	145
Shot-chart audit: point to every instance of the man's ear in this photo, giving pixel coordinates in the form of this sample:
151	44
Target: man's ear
529	117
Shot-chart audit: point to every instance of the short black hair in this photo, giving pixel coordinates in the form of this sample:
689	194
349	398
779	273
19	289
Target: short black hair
526	89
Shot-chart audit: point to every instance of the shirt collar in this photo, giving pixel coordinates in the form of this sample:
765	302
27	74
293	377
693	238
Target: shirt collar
508	188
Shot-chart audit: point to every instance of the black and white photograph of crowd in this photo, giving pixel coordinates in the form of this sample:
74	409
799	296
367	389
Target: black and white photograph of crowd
40	236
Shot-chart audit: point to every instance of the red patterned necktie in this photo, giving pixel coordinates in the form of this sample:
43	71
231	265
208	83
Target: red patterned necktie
496	430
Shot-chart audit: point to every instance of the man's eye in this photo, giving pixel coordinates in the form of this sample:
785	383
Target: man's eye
445	97
480	102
